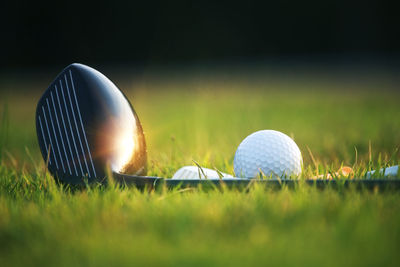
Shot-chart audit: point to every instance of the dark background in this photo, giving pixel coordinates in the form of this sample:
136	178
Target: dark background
38	34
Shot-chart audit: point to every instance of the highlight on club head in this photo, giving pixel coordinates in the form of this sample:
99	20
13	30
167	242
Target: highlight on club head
86	126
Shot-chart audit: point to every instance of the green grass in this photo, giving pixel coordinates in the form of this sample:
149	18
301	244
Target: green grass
204	119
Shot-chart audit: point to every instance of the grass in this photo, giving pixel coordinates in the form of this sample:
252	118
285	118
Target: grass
203	119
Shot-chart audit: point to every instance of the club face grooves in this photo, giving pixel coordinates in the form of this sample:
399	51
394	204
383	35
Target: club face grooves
62	130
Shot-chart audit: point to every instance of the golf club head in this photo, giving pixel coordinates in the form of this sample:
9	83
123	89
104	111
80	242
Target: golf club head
86	127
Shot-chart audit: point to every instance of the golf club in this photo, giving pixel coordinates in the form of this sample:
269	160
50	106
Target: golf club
87	130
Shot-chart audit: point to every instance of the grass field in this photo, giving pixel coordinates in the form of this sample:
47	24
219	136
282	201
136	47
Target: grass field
339	121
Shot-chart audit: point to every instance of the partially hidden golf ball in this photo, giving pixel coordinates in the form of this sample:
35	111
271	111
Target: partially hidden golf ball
270	153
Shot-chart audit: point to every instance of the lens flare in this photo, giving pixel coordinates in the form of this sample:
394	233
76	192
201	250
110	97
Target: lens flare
124	150
124	142
122	139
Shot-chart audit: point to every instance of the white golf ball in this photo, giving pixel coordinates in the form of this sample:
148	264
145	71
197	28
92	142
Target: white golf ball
269	152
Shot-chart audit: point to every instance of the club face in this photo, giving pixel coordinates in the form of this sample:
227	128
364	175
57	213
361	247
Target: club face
86	127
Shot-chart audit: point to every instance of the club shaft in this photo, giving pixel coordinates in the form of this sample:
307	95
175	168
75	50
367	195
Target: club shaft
155	182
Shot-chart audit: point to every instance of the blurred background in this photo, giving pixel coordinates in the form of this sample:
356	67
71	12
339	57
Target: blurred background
324	72
140	33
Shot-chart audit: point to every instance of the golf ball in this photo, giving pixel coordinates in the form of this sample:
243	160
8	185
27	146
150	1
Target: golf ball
269	152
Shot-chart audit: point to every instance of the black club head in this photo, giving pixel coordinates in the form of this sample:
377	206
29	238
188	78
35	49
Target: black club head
86	126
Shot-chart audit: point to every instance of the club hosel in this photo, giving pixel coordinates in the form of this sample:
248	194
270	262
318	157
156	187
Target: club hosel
137	181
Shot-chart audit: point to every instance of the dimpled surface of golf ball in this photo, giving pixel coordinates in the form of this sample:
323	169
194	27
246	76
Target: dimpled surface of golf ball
273	153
